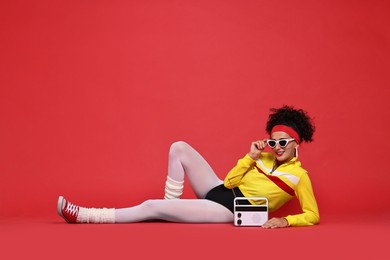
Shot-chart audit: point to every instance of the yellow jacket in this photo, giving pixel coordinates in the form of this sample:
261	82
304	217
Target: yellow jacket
254	179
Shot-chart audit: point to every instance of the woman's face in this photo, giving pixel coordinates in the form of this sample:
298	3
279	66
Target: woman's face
283	154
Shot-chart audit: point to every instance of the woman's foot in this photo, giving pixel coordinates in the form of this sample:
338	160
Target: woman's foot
67	210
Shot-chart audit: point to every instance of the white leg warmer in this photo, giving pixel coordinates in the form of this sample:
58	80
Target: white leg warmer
173	189
93	215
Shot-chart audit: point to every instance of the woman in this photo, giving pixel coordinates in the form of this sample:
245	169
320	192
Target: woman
277	175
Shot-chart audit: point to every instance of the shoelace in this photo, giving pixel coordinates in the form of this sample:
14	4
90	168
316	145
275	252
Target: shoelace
72	209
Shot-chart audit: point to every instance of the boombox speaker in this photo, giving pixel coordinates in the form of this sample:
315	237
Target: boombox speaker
250	215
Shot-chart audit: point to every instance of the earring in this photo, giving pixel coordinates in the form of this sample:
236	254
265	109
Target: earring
296	152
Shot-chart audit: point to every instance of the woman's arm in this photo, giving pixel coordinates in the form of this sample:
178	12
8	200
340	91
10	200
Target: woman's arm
305	195
310	215
233	178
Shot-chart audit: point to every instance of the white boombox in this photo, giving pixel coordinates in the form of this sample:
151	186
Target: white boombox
250	215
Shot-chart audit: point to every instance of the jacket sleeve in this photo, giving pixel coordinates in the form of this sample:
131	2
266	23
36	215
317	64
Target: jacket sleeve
233	178
305	195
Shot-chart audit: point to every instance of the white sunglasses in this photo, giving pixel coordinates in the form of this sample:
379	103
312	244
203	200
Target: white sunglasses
281	142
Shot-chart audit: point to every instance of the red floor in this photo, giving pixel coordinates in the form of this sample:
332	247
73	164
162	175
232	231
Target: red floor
360	237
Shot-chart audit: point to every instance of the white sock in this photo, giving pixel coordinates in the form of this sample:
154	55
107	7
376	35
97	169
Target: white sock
173	189
93	215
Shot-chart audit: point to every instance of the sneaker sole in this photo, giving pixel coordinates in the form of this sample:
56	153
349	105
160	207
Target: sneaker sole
61	199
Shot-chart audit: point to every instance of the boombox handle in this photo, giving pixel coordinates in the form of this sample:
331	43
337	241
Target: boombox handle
251	198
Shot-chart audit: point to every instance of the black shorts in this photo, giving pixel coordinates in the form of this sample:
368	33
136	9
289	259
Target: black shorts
225	196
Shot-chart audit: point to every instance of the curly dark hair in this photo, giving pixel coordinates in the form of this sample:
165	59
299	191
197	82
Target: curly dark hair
297	119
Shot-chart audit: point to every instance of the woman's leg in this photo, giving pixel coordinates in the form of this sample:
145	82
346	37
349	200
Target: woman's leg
185	210
190	211
185	160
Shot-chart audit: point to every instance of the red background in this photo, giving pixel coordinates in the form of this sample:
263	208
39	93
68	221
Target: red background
92	94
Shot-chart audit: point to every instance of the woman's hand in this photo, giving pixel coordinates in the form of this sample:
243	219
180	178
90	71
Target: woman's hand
256	148
276	223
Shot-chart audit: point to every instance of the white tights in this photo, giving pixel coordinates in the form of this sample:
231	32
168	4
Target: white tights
183	159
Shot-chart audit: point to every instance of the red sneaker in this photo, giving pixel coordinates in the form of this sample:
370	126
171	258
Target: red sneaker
67	210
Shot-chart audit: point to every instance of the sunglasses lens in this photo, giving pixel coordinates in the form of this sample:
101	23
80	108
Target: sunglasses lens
271	143
283	143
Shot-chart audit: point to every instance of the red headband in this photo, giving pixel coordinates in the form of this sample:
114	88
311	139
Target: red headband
291	132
